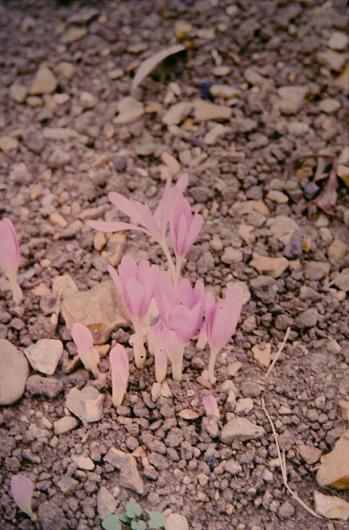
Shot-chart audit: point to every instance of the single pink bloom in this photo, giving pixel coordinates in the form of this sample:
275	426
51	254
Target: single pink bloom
22	492
10	256
142	219
210	406
83	339
181	308
120	371
184	226
221	318
135	284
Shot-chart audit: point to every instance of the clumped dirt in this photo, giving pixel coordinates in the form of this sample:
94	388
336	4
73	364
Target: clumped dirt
260	153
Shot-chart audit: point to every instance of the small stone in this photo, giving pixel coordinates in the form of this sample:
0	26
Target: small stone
291	98
66	69
65	424
171	163
331	507
286	510
67	484
277	196
44	82
224	91
188	414
298	128
57	219
14	373
234	368
282	228
115	248
86	404
205	111
99	241
74	34
308	318
182	29
231	255
329	105
254	78
271	266
262	354
213	134
316	270
7	143
240	429
310	454
51	516
130	110
244	406
338	41
60	133
88	101
20	174
99	309
334	469
45	355
176	522
106	504
333	60
126	464
18	93
341	280
245	232
44	386
177	113
83	462
338	250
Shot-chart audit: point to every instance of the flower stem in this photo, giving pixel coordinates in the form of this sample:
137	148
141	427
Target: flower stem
139	351
171	266
211	365
177	367
17	292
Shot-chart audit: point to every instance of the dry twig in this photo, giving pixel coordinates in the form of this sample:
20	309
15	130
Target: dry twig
282	461
278	353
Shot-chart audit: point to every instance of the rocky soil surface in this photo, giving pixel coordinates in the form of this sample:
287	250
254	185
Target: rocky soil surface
254	110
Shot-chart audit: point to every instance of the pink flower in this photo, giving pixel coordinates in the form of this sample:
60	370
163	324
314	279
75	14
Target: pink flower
152	224
184	227
181	308
10	256
221	318
83	339
136	284
119	373
165	344
22	493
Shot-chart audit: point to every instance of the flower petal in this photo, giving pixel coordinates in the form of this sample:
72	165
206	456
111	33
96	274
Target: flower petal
22	492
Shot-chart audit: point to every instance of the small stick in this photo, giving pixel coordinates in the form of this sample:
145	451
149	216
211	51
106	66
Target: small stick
282	461
278	353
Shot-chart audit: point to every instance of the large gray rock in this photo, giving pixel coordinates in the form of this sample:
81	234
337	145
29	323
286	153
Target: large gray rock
14	373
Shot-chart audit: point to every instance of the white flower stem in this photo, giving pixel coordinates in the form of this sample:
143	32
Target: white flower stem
211	365
171	266
177	366
139	351
17	292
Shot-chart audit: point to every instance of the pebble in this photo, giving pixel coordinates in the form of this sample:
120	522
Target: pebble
130	110
316	270
262	354
307	319
215	133
224	91
18	92
65	424
286	510
334	60
83	462
341	280
45	355
270	266
331	507
310	454
7	143
86	404
329	105
338	250
291	98
231	255
298	128
334	469
205	111
177	113
44	82
277	196
129	476
240	429
176	522
20	174
338	41
14	373
106	504
244	406
44	386
182	29
74	34
51	516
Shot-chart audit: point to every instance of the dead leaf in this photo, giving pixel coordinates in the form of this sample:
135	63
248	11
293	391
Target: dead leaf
152	62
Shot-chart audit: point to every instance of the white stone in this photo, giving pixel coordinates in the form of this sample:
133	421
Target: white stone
177	113
176	522
331	507
65	424
298	128
130	110
83	462
14	373
338	41
44	82
86	404
291	98
240	429
329	105
45	355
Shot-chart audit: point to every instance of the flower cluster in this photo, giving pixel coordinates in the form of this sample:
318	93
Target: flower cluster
166	310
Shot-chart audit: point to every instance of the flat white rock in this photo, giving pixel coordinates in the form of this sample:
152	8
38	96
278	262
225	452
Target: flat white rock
45	355
240	429
14	373
86	404
331	507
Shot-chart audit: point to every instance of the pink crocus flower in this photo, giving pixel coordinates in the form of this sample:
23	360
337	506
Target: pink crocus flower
135	284
22	492
142	219
184	228
10	256
221	318
120	371
83	339
181	310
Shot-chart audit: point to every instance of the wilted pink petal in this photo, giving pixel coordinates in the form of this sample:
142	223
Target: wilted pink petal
10	256
22	492
119	373
210	406
83	339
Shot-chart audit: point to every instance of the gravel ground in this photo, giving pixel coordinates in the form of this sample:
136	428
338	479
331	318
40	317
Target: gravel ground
276	70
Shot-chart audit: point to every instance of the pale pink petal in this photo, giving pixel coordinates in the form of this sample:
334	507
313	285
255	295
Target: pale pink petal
138	213
193	231
82	336
9	247
128	268
22	492
119	286
185	292
226	318
120	370
202	339
182	182
210	308
114	226
210	406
